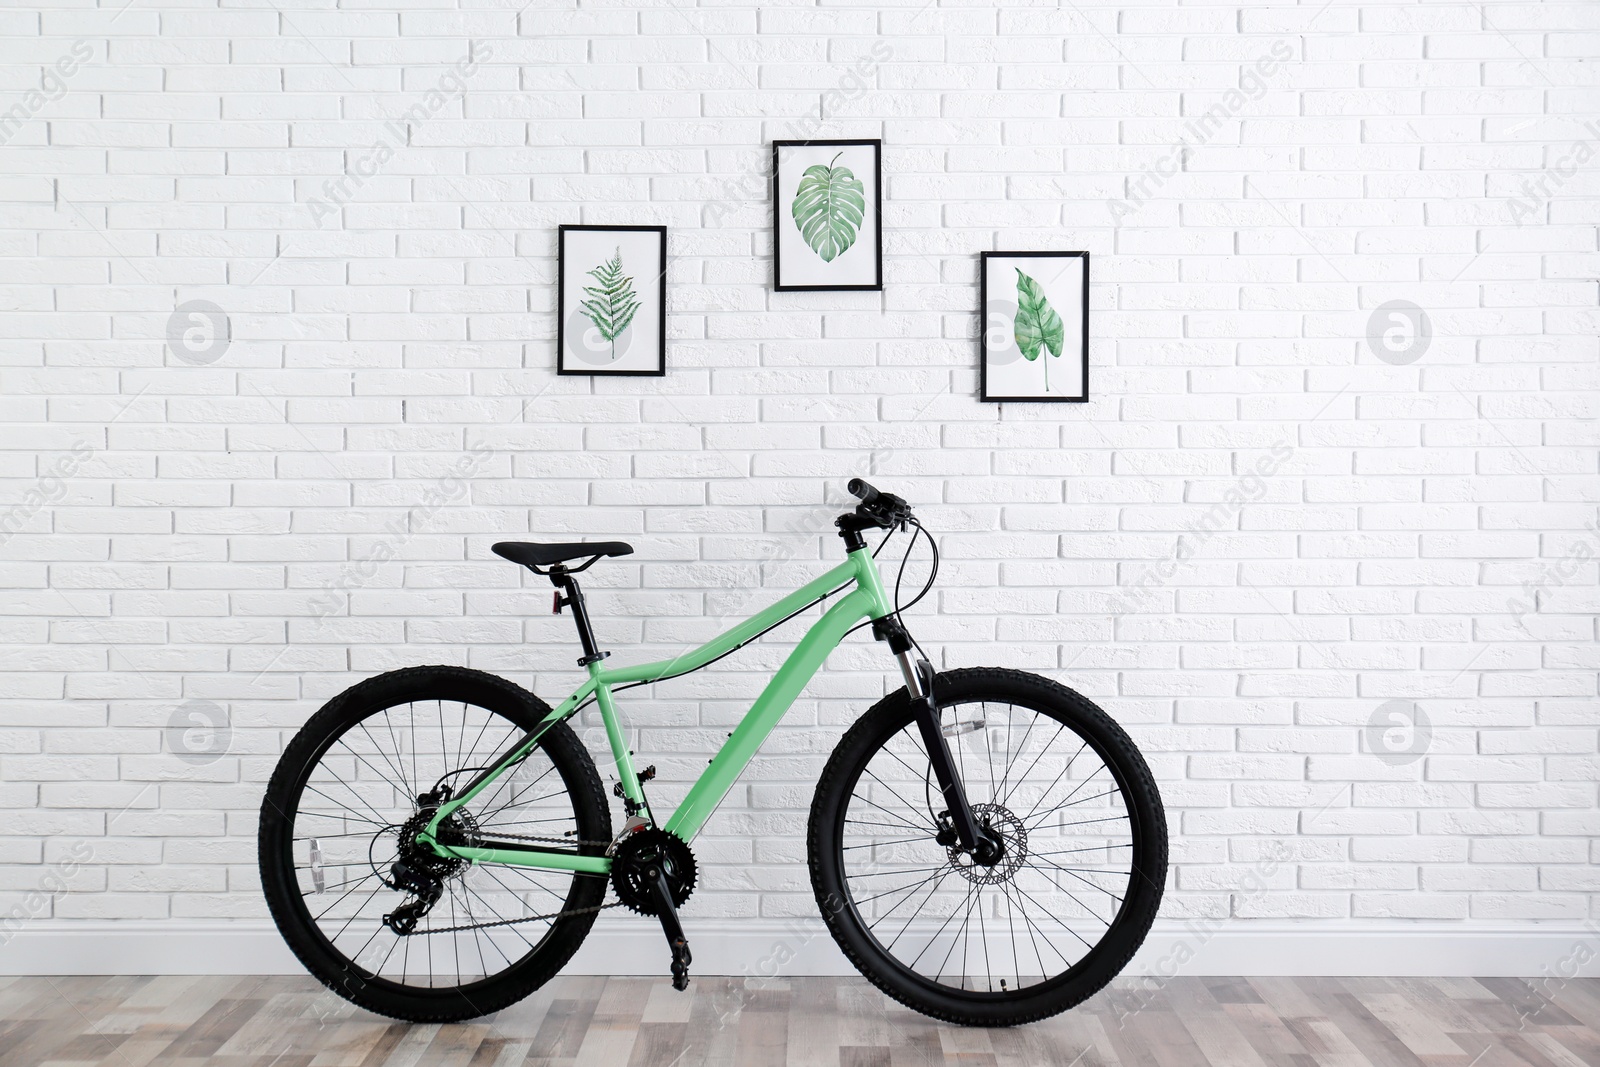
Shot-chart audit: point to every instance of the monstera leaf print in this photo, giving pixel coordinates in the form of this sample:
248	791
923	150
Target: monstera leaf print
828	207
1038	327
611	303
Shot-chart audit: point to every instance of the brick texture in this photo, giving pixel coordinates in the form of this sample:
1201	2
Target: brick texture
1271	532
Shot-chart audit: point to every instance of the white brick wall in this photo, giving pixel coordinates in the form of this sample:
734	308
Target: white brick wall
173	527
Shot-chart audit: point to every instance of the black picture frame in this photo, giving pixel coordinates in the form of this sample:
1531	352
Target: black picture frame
562	365
983	326
778	216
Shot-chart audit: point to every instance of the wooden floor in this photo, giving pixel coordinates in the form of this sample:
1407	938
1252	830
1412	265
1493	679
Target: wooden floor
1185	1022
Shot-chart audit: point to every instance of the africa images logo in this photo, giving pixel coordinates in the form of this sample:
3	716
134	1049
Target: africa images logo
1399	732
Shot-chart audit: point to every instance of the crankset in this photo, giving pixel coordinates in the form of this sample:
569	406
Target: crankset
638	859
653	873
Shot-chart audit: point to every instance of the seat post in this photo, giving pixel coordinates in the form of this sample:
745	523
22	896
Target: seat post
566	583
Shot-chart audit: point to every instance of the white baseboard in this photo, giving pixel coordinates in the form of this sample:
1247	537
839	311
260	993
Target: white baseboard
630	944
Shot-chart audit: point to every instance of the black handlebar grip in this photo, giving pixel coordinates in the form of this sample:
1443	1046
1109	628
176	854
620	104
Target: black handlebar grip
859	488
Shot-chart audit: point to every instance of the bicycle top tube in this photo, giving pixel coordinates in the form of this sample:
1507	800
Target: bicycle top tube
859	567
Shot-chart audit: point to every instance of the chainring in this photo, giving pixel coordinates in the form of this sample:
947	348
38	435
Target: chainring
644	851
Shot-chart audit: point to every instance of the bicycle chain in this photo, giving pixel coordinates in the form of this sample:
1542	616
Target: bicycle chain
528	918
514	922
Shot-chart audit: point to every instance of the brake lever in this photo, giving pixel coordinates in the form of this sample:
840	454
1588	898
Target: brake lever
888	511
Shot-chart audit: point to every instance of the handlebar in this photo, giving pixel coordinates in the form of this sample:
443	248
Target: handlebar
883	510
859	488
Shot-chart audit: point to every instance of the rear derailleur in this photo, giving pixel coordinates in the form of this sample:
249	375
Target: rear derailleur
419	871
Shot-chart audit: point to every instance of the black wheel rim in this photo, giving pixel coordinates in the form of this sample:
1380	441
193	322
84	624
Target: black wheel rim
1038	915
354	798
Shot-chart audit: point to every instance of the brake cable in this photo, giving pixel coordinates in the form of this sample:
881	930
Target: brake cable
933	573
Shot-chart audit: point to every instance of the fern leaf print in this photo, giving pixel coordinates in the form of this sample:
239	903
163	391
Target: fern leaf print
611	302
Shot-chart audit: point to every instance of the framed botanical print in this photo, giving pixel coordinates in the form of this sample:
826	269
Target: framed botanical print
827	215
612	311
1035	340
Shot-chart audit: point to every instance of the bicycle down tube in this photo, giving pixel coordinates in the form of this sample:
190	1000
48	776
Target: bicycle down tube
866	601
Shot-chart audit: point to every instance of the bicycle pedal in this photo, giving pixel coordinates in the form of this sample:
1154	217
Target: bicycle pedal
680	965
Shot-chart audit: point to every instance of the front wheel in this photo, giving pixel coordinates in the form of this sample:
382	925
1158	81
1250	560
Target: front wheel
1038	928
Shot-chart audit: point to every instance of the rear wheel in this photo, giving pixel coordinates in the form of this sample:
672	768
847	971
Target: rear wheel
1038	928
338	863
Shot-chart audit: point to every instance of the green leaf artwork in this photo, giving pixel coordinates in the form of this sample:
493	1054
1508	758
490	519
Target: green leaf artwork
1038	326
610	304
828	207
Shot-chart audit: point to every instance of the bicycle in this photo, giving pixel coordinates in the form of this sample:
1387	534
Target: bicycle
432	803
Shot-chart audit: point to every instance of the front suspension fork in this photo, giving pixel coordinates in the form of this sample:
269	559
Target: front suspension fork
918	674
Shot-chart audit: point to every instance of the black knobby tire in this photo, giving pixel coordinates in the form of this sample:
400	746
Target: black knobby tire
876	813
570	802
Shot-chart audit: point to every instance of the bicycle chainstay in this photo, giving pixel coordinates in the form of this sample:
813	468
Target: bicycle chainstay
527	918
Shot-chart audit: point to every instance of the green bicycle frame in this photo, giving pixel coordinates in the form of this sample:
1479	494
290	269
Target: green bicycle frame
866	601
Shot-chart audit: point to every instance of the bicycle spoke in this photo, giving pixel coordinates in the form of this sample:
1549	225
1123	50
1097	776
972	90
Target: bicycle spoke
384	755
983	936
1006	776
400	759
508	777
1033	928
892	841
886	811
362	758
1068	802
913	915
1006	799
324	815
496	811
1085	881
936	934
899	826
490	872
922	775
988	748
1012	908
1090	822
379	822
1051	915
913	870
498	918
336	885
523	871
1086	848
346	894
1064	772
352	918
890	789
938	873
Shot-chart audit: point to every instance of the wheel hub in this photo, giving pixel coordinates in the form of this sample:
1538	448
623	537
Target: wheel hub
1007	847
